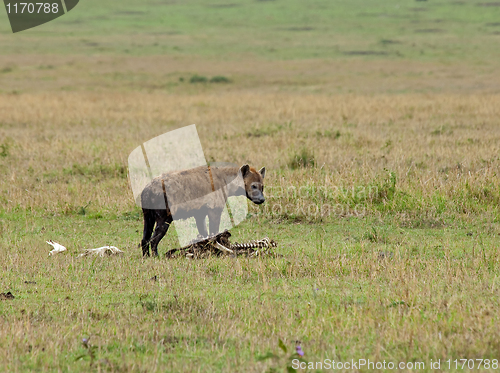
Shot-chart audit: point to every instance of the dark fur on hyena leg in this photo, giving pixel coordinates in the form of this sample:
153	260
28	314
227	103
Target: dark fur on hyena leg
163	220
149	223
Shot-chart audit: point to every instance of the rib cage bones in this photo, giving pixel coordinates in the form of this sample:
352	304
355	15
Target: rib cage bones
256	244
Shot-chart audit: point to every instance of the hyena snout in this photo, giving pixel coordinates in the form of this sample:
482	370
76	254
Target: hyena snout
256	196
258	201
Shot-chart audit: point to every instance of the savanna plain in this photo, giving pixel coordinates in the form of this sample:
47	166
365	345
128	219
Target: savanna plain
379	127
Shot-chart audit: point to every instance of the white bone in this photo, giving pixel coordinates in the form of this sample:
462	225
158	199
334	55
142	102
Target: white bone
102	251
222	248
57	248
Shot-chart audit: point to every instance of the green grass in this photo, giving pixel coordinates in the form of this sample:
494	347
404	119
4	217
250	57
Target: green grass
441	30
338	289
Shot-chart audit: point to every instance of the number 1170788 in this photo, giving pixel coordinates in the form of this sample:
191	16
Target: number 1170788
20	8
472	364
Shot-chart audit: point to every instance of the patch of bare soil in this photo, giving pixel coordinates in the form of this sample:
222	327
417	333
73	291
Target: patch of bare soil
6	296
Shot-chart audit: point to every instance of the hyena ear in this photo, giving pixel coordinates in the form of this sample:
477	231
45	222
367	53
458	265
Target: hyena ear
262	172
245	169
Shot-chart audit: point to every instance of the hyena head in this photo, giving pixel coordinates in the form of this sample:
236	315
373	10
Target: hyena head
254	183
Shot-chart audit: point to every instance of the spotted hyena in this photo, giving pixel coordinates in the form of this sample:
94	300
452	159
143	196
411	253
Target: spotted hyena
198	192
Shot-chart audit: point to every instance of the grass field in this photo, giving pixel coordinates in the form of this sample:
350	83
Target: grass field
440	30
379	129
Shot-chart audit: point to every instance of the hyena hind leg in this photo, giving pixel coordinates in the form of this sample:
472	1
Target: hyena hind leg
162	226
149	224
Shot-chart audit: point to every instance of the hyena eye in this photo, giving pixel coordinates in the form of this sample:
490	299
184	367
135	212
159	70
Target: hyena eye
254	187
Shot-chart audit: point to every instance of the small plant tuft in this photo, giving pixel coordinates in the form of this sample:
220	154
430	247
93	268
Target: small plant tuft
329	134
372	235
90	353
82	210
386	190
304	159
198	79
220	79
4	150
284	358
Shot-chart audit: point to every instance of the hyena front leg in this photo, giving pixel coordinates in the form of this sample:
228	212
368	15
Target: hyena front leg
214	221
201	224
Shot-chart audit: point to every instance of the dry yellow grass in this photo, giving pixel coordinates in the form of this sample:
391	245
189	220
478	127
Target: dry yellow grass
432	142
